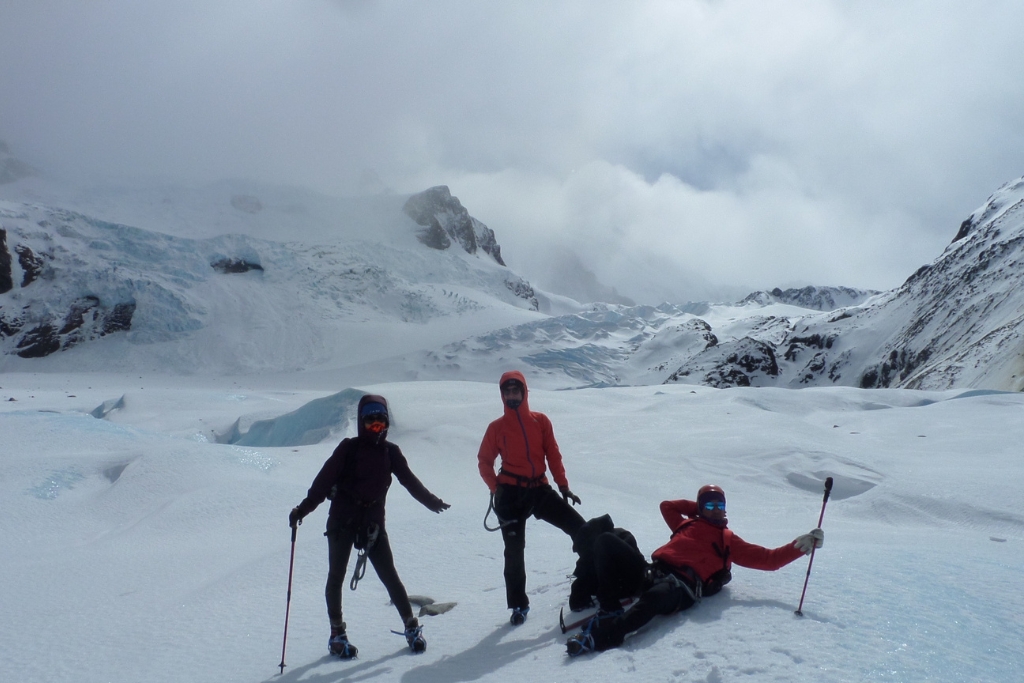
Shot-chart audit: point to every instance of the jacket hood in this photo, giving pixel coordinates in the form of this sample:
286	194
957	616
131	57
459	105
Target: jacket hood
516	375
360	427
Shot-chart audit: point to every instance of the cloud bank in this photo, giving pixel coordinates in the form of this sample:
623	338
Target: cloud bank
684	149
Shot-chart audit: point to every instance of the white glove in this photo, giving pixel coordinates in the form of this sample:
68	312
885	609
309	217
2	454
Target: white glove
809	541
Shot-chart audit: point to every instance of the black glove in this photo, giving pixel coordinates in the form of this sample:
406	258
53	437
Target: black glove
294	517
438	505
568	495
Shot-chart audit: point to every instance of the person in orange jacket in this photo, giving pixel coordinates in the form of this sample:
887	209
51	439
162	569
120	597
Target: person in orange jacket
526	443
696	562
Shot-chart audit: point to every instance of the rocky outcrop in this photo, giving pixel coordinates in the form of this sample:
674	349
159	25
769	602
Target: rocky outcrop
31	264
87	319
51	308
741	363
522	289
234	265
444	220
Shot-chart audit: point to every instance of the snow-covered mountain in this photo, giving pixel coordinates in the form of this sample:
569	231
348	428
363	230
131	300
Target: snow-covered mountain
235	278
956	322
345	281
817	298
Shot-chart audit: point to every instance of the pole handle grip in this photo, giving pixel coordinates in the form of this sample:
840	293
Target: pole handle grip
828	491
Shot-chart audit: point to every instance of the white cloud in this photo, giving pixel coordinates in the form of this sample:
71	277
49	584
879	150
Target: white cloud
742	143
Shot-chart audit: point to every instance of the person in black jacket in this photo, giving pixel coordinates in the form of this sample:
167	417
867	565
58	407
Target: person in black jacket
356	478
610	566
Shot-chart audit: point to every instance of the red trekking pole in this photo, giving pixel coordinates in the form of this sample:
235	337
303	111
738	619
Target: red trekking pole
288	607
828	490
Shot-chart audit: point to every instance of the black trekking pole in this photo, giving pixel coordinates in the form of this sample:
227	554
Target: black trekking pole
828	490
288	607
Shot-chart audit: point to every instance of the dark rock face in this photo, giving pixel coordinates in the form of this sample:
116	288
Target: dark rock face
38	342
86	319
760	358
231	265
76	316
119	319
10	327
434	236
965	229
741	363
523	290
797	344
36	332
445	220
31	265
6	274
895	369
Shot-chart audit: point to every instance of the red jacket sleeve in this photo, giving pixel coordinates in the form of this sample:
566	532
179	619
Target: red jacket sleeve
756	557
676	512
486	456
551	452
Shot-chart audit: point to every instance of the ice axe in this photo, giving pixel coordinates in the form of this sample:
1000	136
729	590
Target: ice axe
824	501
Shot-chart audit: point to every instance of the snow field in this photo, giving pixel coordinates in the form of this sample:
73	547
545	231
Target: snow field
138	548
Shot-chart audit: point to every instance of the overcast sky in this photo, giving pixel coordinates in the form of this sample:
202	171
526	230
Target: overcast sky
684	147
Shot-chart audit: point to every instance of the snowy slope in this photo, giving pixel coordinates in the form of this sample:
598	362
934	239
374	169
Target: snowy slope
137	548
109	295
957	322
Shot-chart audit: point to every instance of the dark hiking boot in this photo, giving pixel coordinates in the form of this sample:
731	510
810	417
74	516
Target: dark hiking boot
580	644
518	615
339	646
414	636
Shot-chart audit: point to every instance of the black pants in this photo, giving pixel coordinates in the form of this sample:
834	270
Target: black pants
339	548
665	596
513	505
619	570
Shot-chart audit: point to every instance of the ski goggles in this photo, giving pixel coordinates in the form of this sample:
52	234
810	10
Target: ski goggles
715	505
375	417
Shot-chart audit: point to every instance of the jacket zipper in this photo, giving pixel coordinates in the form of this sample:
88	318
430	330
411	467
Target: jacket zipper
526	440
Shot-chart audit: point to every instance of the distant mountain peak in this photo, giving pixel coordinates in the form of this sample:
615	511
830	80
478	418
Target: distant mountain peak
445	220
814	298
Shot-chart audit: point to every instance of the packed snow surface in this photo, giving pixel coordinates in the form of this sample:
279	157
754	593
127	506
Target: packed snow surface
139	544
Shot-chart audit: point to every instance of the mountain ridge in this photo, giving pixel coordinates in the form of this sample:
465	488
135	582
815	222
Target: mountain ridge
358	286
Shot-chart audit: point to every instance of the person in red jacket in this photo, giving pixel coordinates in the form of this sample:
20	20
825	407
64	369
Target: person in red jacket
526	443
696	562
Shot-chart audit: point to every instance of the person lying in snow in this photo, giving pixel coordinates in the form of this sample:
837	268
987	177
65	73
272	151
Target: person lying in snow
356	477
526	443
607	554
696	562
